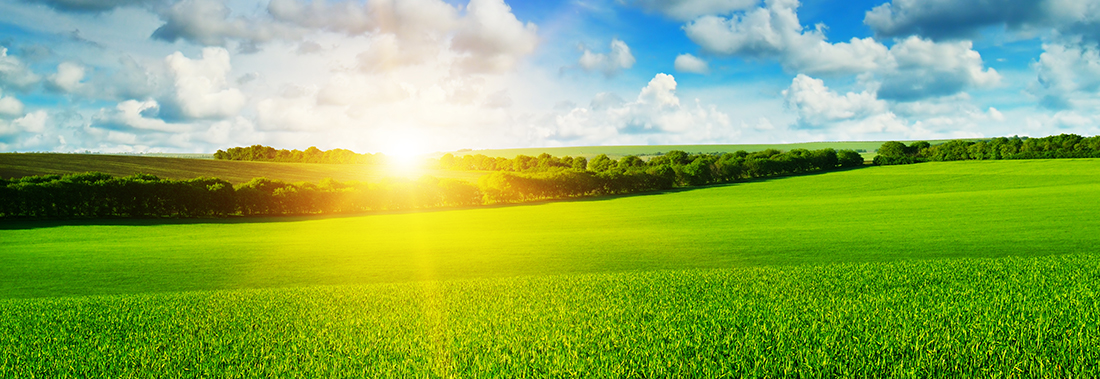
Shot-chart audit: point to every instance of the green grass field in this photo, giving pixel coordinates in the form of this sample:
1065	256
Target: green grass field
982	268
27	164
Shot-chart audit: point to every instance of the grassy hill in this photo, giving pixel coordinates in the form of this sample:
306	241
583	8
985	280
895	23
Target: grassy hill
979	268
19	165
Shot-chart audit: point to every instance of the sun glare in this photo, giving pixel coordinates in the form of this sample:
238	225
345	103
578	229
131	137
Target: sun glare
404	158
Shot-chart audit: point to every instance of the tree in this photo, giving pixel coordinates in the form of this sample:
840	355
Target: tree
677	157
918	149
601	163
849	158
630	161
892	149
580	163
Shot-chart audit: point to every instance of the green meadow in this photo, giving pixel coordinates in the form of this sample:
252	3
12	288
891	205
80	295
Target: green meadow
958	269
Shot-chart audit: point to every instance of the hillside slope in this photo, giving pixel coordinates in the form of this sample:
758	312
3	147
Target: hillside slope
929	210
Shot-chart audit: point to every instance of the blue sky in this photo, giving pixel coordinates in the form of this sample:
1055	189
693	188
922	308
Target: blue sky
402	76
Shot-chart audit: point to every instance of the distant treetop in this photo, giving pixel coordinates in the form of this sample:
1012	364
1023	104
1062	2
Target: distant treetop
311	155
1051	147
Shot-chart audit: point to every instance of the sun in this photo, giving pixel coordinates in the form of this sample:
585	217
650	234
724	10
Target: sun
404	158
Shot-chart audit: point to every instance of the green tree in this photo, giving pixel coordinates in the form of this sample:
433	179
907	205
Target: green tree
892	149
849	158
630	161
601	163
580	163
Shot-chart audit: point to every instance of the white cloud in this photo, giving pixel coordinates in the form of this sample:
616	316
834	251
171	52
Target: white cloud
345	17
132	115
492	36
947	19
68	77
128	80
309	47
1066	75
690	63
863	116
912	69
201	89
818	106
1068	71
689	9
1070	121
617	59
405	18
208	22
238	131
14	73
362	90
921	69
950	18
10	106
30	127
656	114
487	37
774	32
368	110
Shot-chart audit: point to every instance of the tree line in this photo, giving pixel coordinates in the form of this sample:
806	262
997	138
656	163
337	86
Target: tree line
97	195
310	155
1051	147
793	161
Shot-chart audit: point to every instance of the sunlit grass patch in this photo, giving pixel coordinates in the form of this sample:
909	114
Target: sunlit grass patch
1005	317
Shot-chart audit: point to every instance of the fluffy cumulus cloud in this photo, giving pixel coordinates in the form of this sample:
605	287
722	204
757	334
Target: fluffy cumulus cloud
14	74
195	75
689	9
920	69
912	69
129	80
132	115
10	106
657	113
372	110
68	77
816	105
201	89
492	38
773	31
953	18
864	115
486	37
1067	76
386	70
940	19
23	132
208	22
610	63
406	18
690	63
